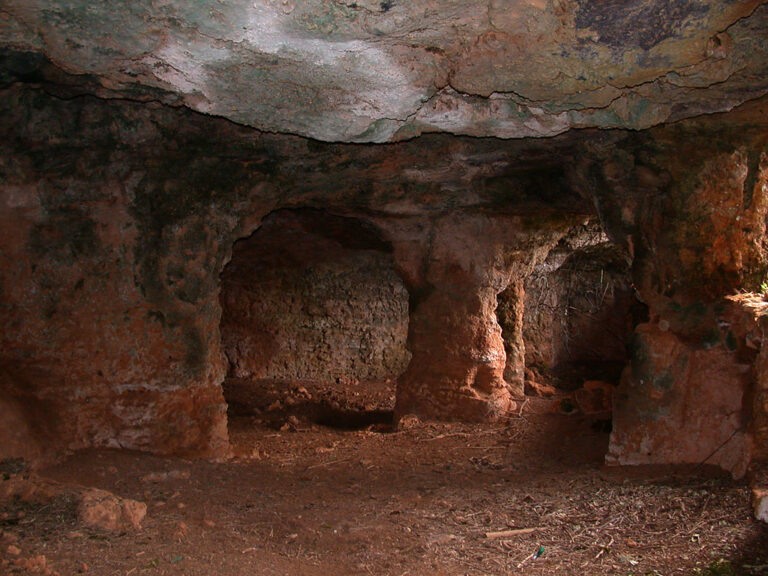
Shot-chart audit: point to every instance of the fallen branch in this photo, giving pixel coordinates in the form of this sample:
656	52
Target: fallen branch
508	533
465	434
328	463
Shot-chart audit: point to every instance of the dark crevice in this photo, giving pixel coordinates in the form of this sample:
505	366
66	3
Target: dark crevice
346	419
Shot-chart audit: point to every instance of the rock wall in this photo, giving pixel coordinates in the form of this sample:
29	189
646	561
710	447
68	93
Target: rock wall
108	295
695	222
746	315
118	218
681	404
93	350
299	305
580	311
759	414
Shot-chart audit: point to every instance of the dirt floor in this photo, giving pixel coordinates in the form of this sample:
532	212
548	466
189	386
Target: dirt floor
301	498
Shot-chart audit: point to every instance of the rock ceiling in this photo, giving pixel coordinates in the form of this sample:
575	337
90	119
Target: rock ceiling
380	71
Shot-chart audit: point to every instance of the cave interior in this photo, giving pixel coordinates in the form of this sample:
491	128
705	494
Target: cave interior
277	248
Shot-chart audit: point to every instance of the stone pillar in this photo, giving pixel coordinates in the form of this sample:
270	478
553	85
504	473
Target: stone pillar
454	268
458	360
511	312
698	238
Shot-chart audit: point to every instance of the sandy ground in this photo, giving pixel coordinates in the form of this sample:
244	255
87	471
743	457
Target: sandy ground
444	499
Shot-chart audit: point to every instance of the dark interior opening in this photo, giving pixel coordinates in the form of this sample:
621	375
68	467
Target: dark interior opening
314	325
580	314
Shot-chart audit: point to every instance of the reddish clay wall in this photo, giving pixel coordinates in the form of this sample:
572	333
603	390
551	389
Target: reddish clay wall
298	305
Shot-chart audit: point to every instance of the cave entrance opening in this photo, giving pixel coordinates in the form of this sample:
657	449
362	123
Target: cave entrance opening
580	312
314	325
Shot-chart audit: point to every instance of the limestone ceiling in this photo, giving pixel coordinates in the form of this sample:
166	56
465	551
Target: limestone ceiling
377	71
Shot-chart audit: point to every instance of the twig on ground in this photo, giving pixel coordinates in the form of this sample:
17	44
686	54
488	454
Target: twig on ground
328	463
508	533
520	565
604	549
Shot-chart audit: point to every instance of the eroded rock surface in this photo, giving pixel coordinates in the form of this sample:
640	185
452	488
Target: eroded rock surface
118	219
454	268
681	404
311	296
699	241
104	511
578	312
367	71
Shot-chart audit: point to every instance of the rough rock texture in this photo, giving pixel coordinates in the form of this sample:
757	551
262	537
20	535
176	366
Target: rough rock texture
511	314
600	309
91	353
759	483
19	485
373	71
544	310
118	218
117	221
687	394
678	404
746	315
105	511
760	497
756	337
95	509
302	303
579	310
454	269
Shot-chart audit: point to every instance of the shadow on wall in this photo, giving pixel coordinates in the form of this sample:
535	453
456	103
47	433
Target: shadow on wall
28	425
580	311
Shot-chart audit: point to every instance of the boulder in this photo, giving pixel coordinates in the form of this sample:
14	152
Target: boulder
105	511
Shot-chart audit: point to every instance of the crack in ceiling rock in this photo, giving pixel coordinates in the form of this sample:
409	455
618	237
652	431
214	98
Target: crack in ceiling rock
384	71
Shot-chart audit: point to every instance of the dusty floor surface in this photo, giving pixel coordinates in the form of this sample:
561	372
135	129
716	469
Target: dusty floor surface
428	499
